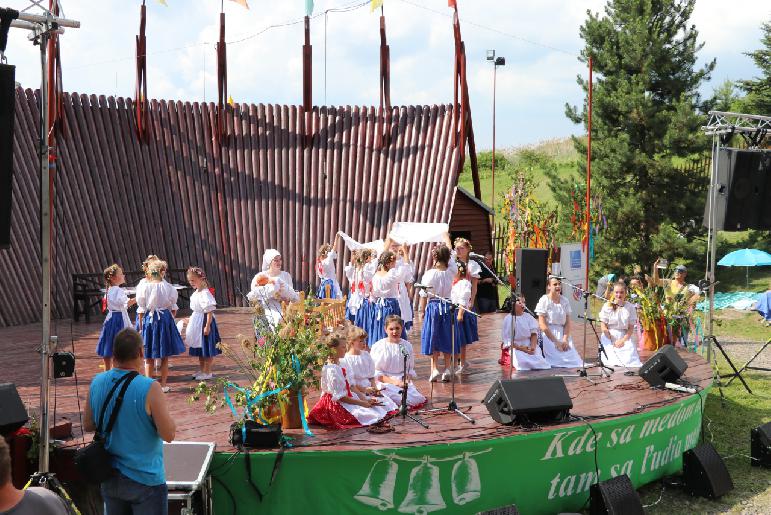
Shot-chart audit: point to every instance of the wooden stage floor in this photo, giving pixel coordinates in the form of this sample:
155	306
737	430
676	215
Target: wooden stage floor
602	397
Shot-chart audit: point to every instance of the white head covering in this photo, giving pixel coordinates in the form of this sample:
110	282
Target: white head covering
268	257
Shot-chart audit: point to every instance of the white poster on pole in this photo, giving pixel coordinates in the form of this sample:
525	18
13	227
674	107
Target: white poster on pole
572	267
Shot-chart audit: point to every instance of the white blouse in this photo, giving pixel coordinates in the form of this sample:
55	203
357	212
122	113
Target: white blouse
472	267
117	302
325	269
281	289
360	368
389	360
461	293
526	326
153	296
555	313
621	318
387	286
441	280
358	280
333	382
202	301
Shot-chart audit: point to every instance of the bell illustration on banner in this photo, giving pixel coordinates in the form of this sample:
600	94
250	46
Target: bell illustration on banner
378	489
466	486
424	494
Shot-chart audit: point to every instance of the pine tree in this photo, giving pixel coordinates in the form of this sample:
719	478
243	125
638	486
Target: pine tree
645	100
758	99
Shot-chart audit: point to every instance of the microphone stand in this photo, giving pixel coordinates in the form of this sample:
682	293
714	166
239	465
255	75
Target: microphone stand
403	411
452	407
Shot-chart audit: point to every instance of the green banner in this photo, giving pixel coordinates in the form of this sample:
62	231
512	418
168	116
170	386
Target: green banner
540	472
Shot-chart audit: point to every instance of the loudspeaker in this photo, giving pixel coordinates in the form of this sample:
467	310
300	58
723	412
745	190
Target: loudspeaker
538	399
666	366
64	364
705	473
760	446
531	274
743	183
7	110
503	510
13	414
615	496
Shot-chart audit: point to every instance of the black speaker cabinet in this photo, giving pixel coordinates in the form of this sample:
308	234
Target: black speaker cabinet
13	414
760	446
705	473
539	399
666	366
615	496
531	274
743	183
503	510
7	110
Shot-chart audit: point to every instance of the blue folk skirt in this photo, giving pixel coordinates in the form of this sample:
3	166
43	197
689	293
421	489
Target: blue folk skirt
468	331
111	327
436	335
334	290
379	311
160	334
208	348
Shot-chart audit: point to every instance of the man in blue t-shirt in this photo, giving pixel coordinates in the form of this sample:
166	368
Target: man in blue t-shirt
139	485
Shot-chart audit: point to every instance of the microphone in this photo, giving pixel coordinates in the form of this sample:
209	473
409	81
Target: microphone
561	278
475	255
404	350
422	286
590	319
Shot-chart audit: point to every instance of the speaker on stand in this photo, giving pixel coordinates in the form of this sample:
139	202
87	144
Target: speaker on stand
7	111
531	274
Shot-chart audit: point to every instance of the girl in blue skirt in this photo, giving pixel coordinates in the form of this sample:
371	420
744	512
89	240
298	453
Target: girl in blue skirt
158	301
117	303
385	292
326	271
201	334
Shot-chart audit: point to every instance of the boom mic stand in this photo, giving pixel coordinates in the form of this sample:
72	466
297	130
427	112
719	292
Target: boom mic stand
452	407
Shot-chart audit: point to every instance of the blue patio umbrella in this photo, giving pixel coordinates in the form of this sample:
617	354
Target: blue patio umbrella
746	258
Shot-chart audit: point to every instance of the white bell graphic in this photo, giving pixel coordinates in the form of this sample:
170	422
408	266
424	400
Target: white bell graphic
466	486
378	489
424	494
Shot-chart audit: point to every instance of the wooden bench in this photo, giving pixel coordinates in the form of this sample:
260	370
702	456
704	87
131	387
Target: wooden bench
89	289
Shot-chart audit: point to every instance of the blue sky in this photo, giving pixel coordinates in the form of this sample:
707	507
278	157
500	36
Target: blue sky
539	40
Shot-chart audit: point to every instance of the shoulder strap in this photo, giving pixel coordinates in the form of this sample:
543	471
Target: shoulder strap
114	414
107	401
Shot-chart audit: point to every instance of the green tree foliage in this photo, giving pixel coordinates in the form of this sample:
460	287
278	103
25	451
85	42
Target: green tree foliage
758	90
645	100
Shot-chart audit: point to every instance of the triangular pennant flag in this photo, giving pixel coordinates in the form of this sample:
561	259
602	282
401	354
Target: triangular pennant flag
308	7
241	2
374	4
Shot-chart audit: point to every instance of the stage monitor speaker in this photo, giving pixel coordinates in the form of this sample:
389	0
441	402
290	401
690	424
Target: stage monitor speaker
743	183
7	110
503	510
615	496
531	274
760	446
538	399
13	414
705	473
666	366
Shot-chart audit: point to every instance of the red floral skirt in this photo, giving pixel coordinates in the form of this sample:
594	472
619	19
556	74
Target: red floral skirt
331	414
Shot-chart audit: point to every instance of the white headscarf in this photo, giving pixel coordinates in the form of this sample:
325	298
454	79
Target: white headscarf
268	257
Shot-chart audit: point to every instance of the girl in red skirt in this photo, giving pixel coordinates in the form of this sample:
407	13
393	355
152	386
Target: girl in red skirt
338	407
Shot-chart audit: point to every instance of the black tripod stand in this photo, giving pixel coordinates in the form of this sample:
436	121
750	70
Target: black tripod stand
605	370
403	411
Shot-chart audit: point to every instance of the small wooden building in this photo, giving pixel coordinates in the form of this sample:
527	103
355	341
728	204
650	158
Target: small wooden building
470	219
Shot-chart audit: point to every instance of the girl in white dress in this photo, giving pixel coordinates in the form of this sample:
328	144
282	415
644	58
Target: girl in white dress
618	319
359	273
145	264
117	303
527	355
388	355
325	270
339	407
553	312
271	286
201	334
360	368
385	292
469	327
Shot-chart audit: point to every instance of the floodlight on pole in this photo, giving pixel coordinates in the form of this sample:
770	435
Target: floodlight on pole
497	61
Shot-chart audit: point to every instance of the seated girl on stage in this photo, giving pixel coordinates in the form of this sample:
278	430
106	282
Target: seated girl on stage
527	354
618	318
202	335
339	407
360	369
325	270
117	304
553	312
388	355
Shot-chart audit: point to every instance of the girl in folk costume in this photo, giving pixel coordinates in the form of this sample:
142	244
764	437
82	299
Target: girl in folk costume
464	331
385	291
388	355
618	318
407	273
145	264
325	270
201	334
360	369
339	407
271	286
436	334
361	303
520	331
553	312
469	327
158	301
354	294
117	304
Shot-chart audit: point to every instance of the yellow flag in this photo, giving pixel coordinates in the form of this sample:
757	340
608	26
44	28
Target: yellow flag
241	2
163	3
374	4
231	102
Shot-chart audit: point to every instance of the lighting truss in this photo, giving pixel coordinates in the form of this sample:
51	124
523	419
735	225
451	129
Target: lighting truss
752	127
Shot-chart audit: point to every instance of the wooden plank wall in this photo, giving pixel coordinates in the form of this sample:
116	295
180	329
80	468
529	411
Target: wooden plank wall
468	216
117	200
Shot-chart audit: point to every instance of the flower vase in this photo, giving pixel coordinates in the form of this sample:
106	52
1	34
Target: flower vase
654	336
290	412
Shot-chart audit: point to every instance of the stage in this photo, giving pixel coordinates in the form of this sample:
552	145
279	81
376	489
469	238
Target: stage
452	467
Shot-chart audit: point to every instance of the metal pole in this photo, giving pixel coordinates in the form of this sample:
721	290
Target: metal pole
492	200
588	197
711	216
45	250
